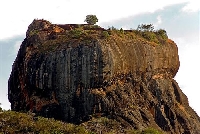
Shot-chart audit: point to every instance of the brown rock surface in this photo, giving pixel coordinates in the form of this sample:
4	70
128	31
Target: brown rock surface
129	79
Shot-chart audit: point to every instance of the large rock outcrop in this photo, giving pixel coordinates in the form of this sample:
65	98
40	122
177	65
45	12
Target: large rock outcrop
64	73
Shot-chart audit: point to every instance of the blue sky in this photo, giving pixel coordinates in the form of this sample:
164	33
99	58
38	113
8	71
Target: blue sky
180	18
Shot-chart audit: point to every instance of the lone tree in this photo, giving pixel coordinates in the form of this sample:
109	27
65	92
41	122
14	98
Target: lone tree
91	19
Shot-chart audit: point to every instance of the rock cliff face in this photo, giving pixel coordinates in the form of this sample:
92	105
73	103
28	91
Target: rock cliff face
75	77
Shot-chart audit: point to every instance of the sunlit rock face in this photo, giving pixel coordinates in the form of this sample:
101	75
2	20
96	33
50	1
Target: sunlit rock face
72	78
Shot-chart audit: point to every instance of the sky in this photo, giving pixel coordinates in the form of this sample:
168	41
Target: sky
180	18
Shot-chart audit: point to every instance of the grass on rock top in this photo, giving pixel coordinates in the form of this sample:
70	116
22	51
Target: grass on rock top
87	33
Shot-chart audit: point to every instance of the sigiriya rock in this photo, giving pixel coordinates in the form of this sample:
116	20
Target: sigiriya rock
72	72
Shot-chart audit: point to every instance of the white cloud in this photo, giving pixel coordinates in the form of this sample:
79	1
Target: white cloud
192	6
159	21
17	46
17	15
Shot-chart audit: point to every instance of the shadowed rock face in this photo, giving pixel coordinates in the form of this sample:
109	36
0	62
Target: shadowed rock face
127	79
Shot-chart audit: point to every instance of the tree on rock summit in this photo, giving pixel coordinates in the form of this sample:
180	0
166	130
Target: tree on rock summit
91	19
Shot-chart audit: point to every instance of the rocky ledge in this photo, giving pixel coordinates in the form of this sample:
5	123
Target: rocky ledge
75	72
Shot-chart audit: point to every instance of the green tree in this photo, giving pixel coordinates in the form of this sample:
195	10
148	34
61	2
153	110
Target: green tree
91	19
145	27
162	33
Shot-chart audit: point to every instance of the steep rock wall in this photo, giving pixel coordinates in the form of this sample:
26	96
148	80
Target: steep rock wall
127	79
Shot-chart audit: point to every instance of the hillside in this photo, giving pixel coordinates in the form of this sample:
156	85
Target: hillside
77	72
16	122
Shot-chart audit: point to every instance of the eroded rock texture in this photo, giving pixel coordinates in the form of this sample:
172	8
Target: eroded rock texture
128	79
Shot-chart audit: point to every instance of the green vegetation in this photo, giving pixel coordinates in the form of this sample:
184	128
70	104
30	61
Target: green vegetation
91	19
147	31
87	33
77	33
112	28
33	32
145	27
105	34
150	131
15	122
145	131
161	35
